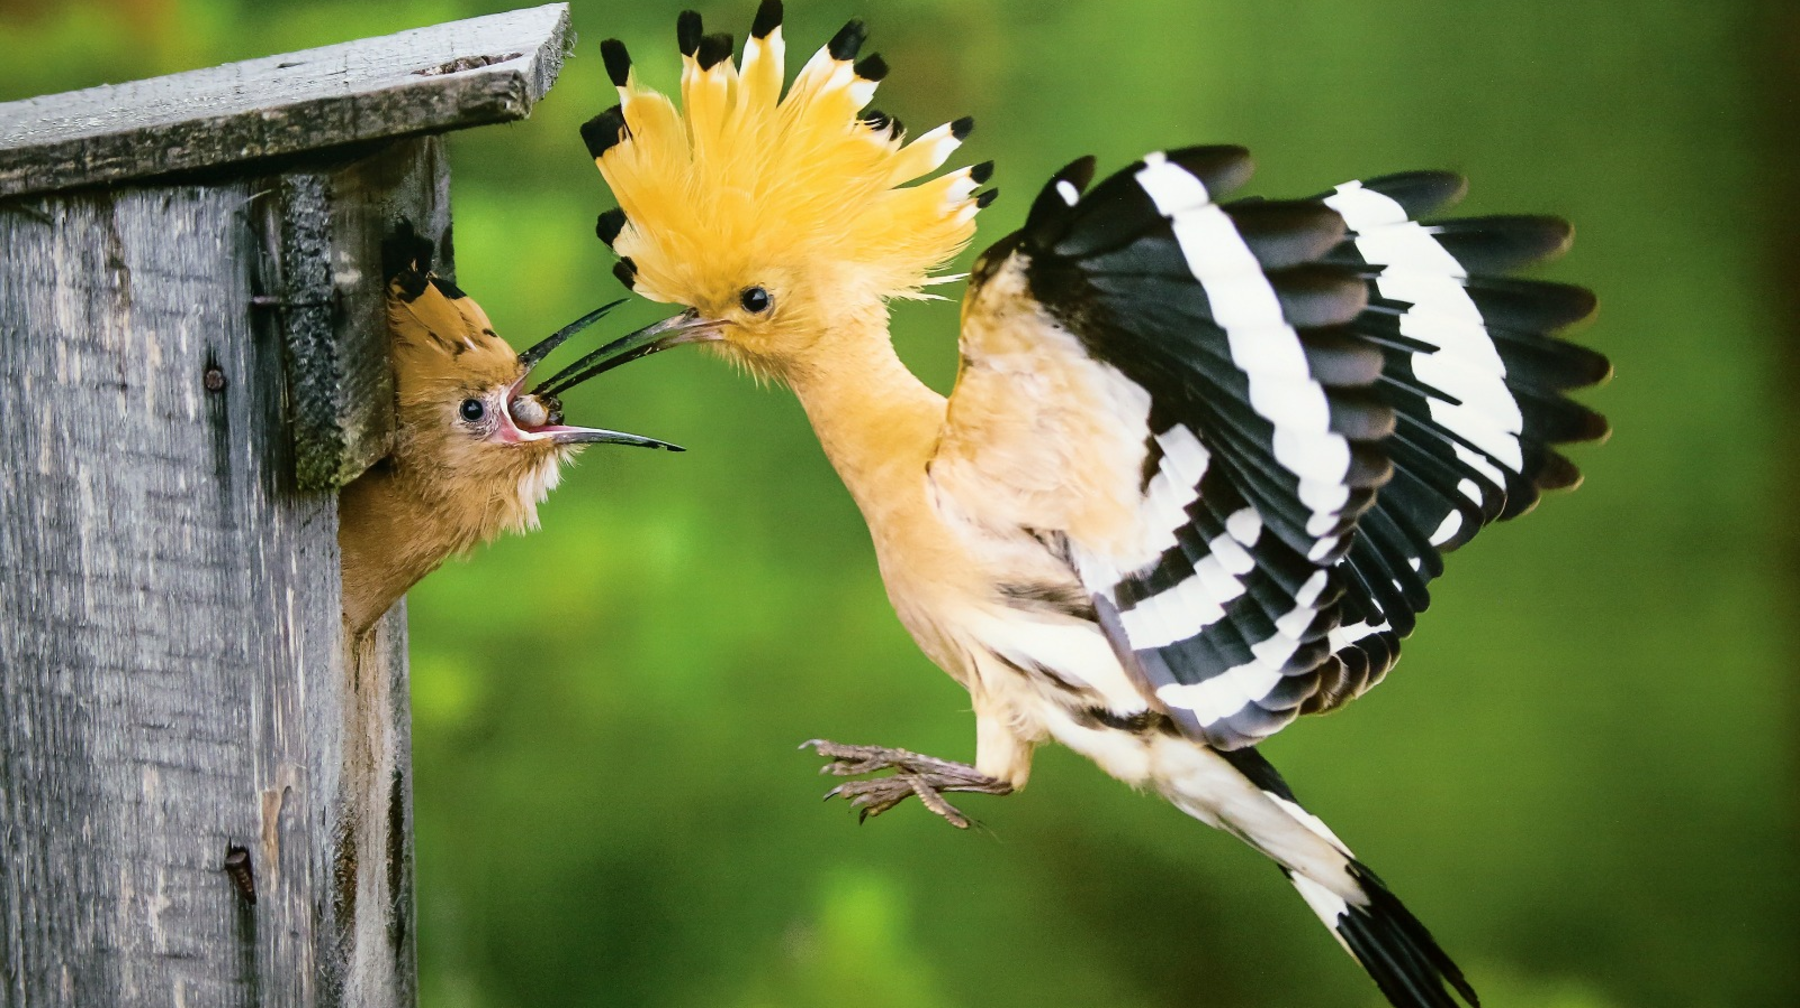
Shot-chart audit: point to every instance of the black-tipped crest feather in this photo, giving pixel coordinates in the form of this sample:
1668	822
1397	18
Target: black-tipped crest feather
603	132
688	30
768	18
714	49
848	41
617	60
872	67
608	225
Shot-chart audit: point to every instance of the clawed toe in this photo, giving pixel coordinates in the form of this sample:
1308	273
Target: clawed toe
924	776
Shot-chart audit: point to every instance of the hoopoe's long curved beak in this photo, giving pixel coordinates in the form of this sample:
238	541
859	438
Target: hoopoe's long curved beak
674	331
538	414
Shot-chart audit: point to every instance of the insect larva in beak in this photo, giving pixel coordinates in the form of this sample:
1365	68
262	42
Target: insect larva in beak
529	411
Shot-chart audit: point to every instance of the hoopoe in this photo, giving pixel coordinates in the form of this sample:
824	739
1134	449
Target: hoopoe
474	453
1201	460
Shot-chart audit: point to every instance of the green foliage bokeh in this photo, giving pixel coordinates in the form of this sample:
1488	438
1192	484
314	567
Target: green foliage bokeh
1581	775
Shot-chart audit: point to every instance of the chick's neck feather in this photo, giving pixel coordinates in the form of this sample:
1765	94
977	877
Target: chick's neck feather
416	508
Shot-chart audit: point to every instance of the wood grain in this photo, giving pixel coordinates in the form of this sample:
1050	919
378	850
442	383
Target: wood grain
193	358
428	80
174	682
320	277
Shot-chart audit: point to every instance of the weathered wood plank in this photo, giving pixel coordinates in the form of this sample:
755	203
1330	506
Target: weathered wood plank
172	679
320	279
428	80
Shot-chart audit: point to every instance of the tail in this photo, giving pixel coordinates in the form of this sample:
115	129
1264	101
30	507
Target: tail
1369	920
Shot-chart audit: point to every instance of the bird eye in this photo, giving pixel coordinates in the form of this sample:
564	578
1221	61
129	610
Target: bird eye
473	410
755	300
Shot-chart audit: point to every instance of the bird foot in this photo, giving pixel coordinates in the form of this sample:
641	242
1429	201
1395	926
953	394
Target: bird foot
914	775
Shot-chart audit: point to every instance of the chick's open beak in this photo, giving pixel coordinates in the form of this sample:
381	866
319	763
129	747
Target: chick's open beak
537	415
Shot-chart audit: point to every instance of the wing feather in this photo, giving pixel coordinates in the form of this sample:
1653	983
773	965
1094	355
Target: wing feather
1318	398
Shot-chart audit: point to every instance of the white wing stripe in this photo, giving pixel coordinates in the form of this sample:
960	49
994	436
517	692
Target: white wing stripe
1183	455
1263	346
1348	634
1466	365
1193	605
1223	695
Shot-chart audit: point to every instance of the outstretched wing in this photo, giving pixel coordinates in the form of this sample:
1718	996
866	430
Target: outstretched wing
1255	425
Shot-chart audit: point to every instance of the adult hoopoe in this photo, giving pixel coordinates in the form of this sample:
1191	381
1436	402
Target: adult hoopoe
1201	459
474	453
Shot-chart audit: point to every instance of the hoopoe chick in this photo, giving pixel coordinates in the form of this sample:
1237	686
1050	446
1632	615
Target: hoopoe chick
474	452
1202	458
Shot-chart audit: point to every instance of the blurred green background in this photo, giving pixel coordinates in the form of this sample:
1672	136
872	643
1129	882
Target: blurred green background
1582	776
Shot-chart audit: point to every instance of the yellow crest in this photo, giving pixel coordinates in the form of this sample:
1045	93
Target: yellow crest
741	178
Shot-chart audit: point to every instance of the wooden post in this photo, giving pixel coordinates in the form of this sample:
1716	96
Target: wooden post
193	359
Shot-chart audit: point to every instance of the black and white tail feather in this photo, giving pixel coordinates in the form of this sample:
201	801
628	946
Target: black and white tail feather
1340	393
1371	923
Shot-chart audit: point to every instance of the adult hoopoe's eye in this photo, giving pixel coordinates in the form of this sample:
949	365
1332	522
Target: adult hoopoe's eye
755	300
472	410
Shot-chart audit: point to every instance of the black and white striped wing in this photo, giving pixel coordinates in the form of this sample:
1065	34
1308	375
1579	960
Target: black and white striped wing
1477	384
1302	471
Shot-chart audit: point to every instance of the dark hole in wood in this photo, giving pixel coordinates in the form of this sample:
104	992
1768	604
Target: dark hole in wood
343	869
397	833
237	865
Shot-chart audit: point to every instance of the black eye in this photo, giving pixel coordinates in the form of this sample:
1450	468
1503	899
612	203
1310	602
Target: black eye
472	410
755	300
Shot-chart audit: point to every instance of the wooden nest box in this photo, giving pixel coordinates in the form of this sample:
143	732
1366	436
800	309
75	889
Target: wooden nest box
205	796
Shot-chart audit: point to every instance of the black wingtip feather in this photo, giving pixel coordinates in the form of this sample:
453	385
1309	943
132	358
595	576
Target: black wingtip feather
1556	420
1043	222
848	41
1284	233
617	59
1546	363
1222	168
1421	193
1361	417
768	18
1313	296
688	30
608	225
626	271
1535	306
714	49
1078	173
1503	244
1336	359
961	128
980	173
1556	472
604	131
982	201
